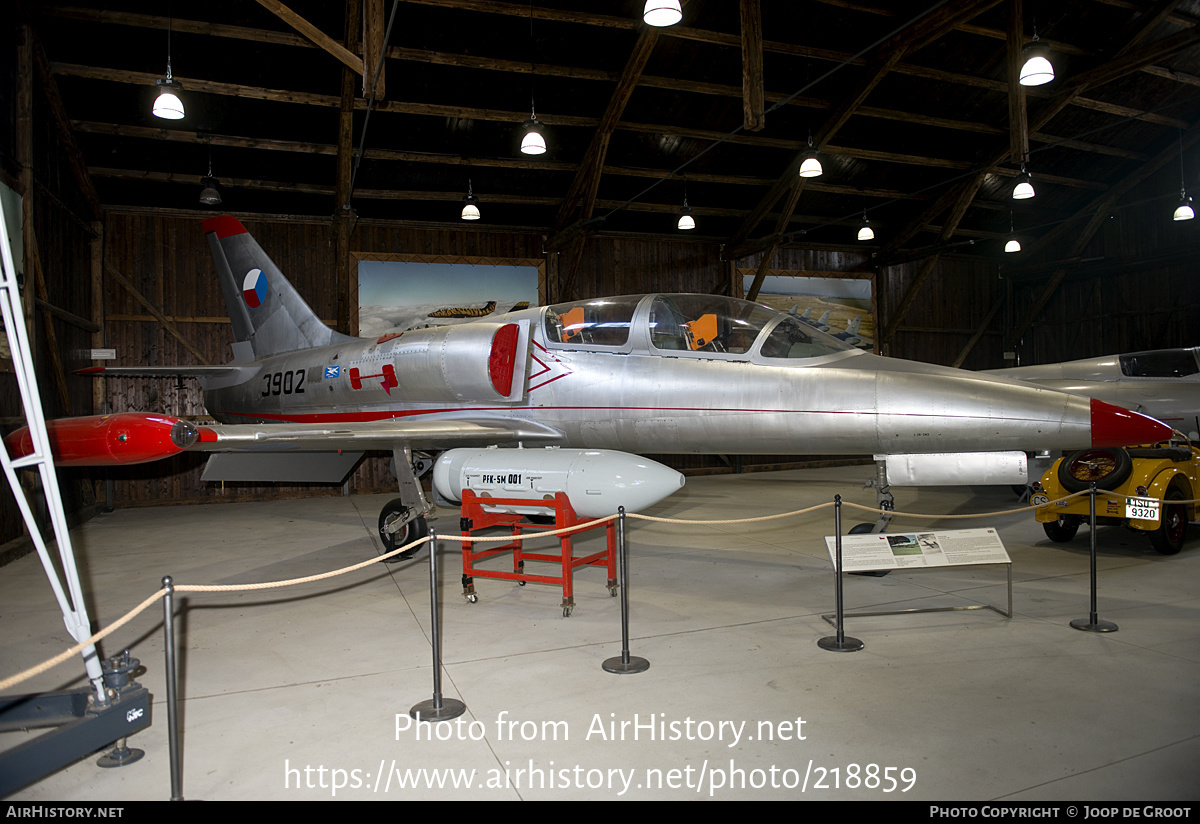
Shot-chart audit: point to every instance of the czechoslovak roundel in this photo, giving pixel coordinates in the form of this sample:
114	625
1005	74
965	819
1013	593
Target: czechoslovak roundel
254	288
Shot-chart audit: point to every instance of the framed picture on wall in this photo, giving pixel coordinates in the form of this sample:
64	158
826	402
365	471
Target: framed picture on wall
400	292
840	304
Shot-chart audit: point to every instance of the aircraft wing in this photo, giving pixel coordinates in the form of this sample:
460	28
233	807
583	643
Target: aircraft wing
386	435
275	452
292	452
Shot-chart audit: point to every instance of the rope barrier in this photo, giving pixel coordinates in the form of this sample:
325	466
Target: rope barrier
25	675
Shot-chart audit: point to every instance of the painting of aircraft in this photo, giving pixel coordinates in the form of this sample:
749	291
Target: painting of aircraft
850	335
639	374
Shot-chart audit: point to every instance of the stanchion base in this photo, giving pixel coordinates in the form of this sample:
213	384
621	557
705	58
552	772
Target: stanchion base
426	711
1086	625
847	644
622	667
119	757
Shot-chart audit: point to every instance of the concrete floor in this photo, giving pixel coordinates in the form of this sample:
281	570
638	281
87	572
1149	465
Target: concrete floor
287	693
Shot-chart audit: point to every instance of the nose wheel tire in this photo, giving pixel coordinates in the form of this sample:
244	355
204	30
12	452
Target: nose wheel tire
414	530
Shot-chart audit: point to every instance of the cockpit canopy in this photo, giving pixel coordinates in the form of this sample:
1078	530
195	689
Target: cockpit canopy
1162	363
682	325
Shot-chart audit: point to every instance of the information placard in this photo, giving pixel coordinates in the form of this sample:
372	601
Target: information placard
947	547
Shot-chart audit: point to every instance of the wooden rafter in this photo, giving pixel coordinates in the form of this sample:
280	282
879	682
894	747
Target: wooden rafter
374	29
1096	214
1018	118
1069	93
581	196
320	38
586	73
752	65
886	57
62	126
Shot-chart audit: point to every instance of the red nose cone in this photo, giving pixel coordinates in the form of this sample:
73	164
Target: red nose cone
1114	426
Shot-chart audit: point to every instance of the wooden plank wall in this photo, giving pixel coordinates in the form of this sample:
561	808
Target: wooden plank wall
1134	289
61	223
948	310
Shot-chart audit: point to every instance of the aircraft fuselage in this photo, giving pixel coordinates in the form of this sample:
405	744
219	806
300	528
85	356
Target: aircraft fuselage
646	394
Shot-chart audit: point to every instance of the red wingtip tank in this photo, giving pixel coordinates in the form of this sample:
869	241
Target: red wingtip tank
108	440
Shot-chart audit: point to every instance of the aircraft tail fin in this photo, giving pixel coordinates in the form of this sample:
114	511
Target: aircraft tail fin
266	311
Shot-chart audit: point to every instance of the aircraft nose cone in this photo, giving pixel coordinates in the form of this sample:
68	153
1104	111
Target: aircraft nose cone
1114	426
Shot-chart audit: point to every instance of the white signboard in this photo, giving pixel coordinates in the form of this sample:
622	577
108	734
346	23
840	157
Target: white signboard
952	547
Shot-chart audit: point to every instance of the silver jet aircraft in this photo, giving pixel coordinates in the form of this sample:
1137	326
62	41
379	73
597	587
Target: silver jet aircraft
640	374
1161	383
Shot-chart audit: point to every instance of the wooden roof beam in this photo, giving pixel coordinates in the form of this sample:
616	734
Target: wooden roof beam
886	57
580	200
1096	214
750	12
374	29
320	38
1069	91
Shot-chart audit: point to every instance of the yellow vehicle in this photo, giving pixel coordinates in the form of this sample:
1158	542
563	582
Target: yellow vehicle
1144	488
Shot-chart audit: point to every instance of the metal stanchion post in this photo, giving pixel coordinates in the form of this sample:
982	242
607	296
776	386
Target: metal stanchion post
172	689
1093	623
437	708
626	663
839	642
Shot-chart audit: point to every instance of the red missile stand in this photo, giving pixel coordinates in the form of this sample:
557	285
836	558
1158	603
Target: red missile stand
475	518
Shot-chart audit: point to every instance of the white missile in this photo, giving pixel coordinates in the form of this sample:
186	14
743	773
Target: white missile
596	481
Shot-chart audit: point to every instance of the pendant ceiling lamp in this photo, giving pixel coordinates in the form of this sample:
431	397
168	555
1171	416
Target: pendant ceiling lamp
686	221
534	140
1012	244
1184	210
210	195
1036	69
470	209
168	105
865	232
1024	188
810	166
662	12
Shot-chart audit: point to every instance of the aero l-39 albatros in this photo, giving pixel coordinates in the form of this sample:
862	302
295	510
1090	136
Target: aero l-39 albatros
640	374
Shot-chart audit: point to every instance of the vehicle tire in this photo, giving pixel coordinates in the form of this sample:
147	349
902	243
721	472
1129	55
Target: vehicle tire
412	531
1063	529
861	529
1168	538
1109	468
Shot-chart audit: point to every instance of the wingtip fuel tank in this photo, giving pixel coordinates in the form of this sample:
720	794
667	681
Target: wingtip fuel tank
109	440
